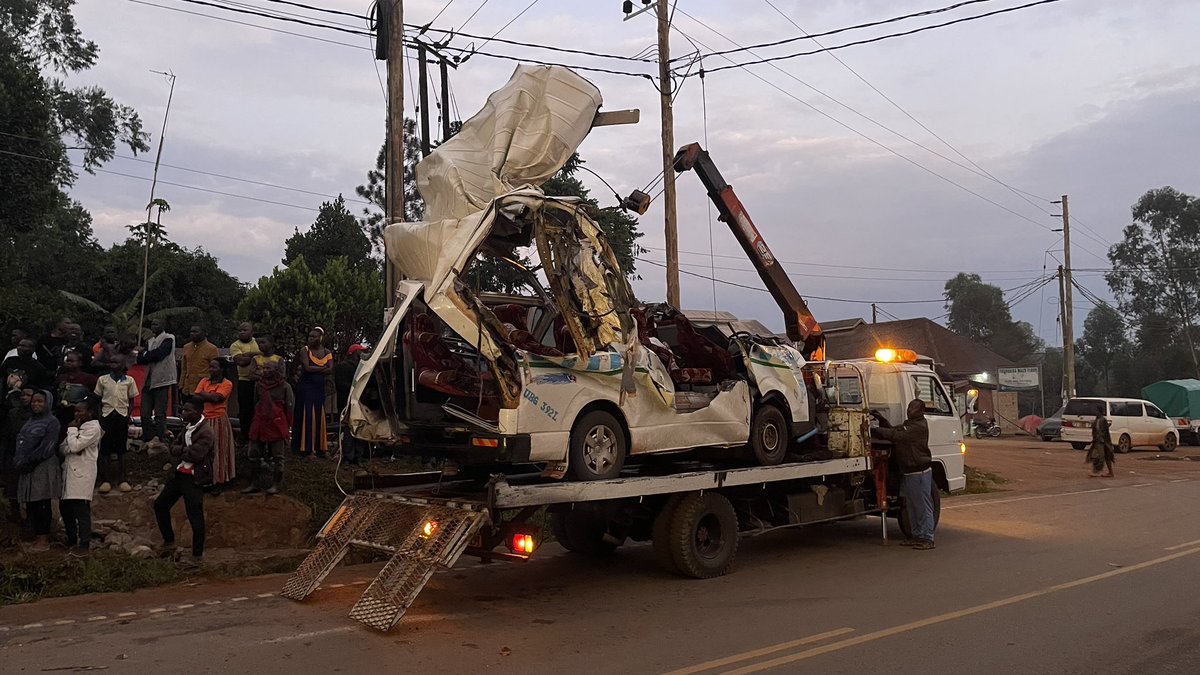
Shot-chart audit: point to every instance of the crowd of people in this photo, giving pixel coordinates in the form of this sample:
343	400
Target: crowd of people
67	417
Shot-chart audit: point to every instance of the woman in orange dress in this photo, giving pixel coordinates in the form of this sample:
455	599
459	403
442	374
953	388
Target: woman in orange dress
308	426
214	390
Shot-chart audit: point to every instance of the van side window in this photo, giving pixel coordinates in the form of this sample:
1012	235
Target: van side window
1153	411
928	390
1126	409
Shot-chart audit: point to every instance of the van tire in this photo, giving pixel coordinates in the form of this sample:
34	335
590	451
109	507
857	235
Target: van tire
906	525
769	435
660	535
597	450
1079	446
1169	444
703	535
1124	444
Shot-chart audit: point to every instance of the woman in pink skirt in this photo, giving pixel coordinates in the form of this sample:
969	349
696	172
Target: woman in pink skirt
214	390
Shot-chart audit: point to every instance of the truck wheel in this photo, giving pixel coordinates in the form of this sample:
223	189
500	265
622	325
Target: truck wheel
703	535
597	447
768	435
1079	446
584	533
660	535
906	525
1124	444
1169	444
558	526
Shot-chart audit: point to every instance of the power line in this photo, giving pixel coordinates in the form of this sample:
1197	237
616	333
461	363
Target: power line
511	21
450	33
835	276
869	139
889	36
481	6
847	267
276	17
835	31
319	9
246	23
281	12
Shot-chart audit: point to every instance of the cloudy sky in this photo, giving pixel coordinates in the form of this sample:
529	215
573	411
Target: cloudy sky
1098	99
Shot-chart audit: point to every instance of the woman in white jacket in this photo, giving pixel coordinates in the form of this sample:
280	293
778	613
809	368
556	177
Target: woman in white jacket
80	450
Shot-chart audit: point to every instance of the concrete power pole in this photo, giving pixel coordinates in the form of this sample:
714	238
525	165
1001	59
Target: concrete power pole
1068	309
668	147
394	170
1062	318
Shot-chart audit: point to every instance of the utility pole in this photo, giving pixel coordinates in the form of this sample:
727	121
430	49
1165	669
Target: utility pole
874	316
423	100
1068	311
445	98
1062	319
393	26
668	148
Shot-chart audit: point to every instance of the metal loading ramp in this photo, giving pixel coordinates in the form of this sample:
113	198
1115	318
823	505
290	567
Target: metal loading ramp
397	525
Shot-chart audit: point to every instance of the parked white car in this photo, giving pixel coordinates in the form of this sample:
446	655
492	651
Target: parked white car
1133	423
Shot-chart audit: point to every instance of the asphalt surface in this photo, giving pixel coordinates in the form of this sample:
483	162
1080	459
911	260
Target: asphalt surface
1084	576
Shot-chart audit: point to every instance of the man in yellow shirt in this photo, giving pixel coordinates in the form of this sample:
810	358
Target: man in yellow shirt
197	354
242	351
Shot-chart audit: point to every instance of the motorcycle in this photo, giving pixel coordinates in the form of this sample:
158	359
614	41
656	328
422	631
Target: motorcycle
986	427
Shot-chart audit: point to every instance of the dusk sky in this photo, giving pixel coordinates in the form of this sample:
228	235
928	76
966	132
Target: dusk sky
1098	99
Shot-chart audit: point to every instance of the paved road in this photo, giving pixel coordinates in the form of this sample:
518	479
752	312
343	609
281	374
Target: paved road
1092	576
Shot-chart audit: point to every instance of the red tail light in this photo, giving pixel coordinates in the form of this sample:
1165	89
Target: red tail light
522	543
1068	424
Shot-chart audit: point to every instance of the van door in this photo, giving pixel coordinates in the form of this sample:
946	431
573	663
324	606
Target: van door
944	426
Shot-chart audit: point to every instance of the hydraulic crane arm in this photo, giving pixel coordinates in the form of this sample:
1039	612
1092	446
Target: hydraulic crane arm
802	327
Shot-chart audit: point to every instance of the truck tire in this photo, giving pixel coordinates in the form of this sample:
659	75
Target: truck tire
583	533
597	450
660	535
1124	444
703	535
769	435
935	495
558	527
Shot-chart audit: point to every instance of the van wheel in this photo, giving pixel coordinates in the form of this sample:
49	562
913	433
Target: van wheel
1169	444
935	495
1124	443
703	535
660	535
597	449
1079	446
769	435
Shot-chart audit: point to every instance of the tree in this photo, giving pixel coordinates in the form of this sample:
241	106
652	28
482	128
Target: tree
335	233
373	219
977	311
1103	344
346	302
1156	266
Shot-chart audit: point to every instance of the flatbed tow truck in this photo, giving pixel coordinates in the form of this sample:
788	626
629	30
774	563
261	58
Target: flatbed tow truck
692	506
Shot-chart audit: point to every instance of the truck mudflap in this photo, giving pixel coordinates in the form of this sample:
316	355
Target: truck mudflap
420	534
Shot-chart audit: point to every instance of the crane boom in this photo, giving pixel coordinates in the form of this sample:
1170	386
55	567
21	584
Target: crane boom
802	327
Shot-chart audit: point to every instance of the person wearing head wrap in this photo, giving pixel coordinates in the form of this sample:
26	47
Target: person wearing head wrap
37	461
308	427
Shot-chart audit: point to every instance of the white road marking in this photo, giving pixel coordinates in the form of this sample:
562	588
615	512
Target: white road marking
265	595
989	502
241	599
950	616
1180	480
335	586
1176	547
32	625
156	610
98	618
187	606
745	656
124	615
305	636
1141	485
64	622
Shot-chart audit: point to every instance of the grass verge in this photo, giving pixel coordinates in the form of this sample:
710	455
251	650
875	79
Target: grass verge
980	481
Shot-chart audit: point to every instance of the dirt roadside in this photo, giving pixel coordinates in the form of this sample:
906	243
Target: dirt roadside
1031	465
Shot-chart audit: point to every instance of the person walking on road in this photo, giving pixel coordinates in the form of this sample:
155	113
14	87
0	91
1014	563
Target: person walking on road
316	363
1100	454
214	391
242	351
37	462
116	391
194	448
910	445
80	450
160	379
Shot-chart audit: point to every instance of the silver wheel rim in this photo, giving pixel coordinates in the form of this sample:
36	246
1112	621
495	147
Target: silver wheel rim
770	438
600	449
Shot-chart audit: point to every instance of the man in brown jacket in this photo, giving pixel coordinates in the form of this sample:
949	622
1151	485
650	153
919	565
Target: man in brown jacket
194	447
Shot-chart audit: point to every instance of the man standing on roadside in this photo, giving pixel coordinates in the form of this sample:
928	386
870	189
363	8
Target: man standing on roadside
50	348
197	354
161	377
242	351
910	445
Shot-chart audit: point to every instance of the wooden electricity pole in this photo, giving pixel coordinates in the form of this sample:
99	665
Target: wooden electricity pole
394	169
423	97
1068	310
668	148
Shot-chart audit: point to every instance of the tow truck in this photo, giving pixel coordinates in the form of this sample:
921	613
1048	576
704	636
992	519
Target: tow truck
578	413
